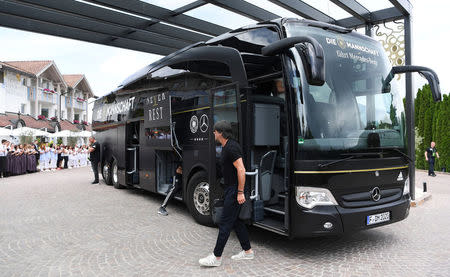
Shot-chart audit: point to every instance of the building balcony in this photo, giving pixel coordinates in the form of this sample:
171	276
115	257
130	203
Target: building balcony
77	104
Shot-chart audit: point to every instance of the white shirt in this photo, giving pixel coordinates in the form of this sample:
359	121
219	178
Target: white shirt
3	151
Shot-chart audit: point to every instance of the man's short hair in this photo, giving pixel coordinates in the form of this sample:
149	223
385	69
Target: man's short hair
4	140
224	127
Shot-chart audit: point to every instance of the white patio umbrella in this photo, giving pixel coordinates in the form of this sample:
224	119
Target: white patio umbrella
62	134
5	132
41	133
23	131
84	134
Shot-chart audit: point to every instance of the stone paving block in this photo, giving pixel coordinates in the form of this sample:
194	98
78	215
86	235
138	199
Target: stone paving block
58	224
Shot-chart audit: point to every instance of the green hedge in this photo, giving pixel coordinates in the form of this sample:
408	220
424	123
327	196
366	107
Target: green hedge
432	121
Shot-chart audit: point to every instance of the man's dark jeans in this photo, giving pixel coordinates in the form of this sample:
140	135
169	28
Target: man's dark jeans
230	221
430	166
95	169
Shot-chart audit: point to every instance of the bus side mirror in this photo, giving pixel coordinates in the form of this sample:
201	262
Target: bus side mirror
313	64
425	72
309	49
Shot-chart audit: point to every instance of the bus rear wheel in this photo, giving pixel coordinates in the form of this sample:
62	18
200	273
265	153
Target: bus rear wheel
198	198
115	176
106	173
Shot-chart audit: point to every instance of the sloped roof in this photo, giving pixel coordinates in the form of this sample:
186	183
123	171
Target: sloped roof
78	81
14	68
67	125
35	67
72	79
11	119
46	69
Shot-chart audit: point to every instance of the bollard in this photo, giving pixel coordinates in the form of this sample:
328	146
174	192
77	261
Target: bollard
424	186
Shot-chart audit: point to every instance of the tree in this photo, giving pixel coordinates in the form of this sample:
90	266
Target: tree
432	124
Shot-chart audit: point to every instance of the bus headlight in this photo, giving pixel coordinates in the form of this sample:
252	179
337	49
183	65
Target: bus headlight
309	197
406	187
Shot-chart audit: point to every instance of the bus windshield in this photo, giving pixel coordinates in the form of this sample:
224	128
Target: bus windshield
352	110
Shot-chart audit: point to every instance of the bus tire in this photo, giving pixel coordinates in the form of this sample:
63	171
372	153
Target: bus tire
106	173
115	176
198	200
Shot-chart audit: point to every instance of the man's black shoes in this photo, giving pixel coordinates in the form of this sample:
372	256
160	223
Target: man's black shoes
95	182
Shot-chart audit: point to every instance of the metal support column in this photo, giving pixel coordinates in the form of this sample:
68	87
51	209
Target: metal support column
410	108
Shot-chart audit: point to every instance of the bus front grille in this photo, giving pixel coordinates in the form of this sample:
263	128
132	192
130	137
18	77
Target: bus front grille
365	199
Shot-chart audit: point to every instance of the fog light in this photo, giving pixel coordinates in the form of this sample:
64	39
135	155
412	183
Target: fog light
328	225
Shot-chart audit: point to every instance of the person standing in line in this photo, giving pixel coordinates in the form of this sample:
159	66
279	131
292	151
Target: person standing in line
430	155
65	156
94	155
3	159
233	171
36	148
42	157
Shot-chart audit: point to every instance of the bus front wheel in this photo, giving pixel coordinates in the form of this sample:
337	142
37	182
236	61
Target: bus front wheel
198	198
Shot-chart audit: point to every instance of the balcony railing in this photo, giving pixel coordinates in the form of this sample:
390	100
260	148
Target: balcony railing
81	105
49	97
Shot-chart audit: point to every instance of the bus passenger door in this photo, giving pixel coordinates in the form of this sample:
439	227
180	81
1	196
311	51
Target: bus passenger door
225	105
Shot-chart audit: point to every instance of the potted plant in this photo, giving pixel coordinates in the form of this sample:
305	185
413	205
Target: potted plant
41	117
76	121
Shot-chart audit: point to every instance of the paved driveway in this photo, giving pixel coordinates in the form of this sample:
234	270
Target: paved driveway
58	224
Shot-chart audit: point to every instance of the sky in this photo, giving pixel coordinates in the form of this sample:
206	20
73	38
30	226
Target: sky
106	67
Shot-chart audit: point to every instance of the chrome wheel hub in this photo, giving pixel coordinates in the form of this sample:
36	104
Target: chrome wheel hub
201	198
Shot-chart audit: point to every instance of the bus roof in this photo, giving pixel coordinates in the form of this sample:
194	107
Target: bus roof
216	40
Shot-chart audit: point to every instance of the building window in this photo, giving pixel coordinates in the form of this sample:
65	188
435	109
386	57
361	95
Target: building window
44	112
24	81
63	115
2	77
22	108
76	117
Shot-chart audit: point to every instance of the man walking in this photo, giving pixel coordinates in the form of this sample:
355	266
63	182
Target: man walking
94	156
233	171
430	155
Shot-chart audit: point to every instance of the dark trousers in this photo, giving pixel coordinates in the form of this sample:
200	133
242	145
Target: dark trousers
230	221
430	166
174	189
66	160
95	169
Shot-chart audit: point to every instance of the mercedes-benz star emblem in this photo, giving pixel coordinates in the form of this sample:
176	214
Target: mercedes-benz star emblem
204	123
376	194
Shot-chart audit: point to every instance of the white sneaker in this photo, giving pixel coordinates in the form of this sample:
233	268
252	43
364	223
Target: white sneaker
210	260
243	256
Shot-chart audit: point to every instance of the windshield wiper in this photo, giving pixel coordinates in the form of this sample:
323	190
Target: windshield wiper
400	152
353	155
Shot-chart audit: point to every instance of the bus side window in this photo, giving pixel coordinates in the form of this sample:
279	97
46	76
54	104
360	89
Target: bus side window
225	108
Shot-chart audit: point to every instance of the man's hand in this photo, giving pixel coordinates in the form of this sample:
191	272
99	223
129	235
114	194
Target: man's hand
240	198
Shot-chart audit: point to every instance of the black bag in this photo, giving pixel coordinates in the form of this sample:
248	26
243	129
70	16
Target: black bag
245	212
217	211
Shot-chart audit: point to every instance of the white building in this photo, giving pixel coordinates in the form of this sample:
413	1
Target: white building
39	89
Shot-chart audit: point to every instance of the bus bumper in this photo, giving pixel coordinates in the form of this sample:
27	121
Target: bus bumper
311	223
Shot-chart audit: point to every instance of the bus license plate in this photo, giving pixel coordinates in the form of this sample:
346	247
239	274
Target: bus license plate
378	218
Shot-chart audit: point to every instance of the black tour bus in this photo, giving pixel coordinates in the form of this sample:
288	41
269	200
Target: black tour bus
317	111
